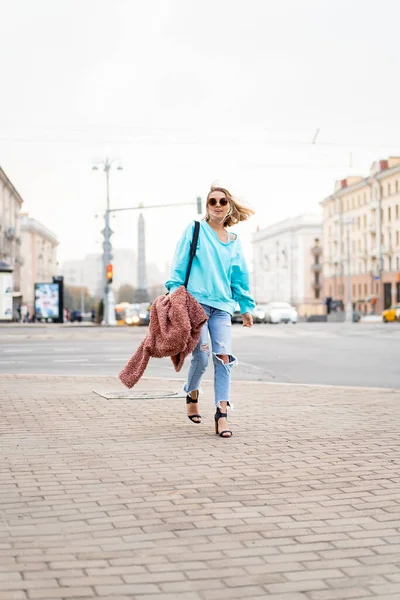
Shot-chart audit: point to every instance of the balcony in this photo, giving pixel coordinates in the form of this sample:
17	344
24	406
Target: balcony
9	233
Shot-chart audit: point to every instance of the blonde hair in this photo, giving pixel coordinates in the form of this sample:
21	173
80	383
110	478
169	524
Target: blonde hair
238	213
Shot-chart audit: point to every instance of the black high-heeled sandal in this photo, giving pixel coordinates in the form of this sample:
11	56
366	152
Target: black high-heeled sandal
190	400
220	415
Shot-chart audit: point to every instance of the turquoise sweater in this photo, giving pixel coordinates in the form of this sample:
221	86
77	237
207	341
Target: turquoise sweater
219	275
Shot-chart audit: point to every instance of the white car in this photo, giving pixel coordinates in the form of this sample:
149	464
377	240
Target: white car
280	312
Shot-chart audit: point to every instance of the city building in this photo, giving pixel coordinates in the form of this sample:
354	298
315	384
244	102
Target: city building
361	238
38	263
88	272
287	264
10	239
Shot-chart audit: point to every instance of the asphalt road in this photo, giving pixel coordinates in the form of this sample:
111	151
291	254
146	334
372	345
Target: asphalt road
317	353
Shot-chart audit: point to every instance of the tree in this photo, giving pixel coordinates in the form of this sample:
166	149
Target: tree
100	311
125	293
72	298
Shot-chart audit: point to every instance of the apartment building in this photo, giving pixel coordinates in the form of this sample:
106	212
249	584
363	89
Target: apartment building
361	238
287	264
10	239
38	257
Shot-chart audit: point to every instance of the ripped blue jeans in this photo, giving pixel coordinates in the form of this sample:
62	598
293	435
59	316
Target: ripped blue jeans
219	328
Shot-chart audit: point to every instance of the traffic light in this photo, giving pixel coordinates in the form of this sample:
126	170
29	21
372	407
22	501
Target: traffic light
199	207
109	273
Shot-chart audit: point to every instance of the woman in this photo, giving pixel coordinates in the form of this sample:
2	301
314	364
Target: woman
219	280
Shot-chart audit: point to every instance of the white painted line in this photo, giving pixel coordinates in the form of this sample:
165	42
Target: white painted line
240	362
64	360
21	351
118	359
65	350
10	362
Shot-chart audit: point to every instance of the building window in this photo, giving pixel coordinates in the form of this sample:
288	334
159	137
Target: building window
388	189
389	214
390	263
365	289
365	198
397	263
397	238
397	212
365	221
397	186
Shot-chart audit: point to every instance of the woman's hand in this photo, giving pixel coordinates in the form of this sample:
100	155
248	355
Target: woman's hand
247	320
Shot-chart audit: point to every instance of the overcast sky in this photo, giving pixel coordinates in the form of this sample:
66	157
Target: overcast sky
187	92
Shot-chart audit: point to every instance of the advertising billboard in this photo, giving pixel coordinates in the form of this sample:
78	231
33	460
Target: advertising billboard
6	296
47	301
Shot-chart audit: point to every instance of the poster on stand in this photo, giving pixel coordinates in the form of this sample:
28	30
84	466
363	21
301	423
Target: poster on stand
47	301
6	297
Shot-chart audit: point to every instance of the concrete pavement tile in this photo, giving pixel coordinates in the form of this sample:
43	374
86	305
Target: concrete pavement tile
301	504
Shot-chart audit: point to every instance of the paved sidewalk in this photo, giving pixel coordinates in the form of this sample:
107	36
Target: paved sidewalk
127	499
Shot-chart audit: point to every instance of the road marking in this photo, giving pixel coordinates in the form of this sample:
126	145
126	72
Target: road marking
64	360
65	350
21	351
240	362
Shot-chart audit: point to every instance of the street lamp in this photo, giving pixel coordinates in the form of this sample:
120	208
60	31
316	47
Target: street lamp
108	294
348	221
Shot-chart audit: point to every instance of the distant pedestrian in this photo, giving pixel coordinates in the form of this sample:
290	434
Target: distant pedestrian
93	313
219	280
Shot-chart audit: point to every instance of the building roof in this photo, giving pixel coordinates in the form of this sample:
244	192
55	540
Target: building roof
7	183
380	169
34	226
299	222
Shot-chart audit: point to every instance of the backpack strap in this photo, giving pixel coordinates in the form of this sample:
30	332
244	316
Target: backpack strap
193	246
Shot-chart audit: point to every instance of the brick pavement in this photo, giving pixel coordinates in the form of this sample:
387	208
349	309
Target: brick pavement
303	503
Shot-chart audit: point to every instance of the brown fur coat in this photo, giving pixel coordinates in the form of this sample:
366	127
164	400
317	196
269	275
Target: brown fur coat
175	324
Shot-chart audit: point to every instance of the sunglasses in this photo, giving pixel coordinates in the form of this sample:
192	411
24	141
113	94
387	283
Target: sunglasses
222	201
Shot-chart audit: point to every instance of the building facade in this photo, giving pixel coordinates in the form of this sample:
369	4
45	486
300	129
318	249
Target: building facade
361	233
10	237
38	257
88	272
287	264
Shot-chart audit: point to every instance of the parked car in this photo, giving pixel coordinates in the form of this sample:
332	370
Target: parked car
259	314
76	315
391	314
237	317
280	312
